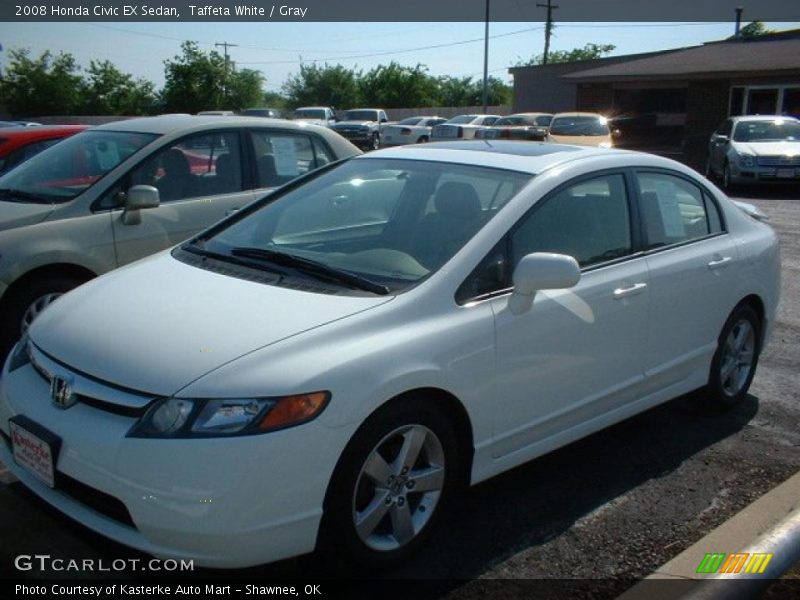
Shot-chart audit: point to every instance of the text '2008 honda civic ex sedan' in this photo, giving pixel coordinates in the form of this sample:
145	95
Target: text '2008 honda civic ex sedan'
325	368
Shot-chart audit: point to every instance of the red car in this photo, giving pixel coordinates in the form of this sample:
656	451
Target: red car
18	144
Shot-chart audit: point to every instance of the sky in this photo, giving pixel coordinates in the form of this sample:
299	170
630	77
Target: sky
278	49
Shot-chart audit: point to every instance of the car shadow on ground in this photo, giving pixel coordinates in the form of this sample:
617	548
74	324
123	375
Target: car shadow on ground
520	509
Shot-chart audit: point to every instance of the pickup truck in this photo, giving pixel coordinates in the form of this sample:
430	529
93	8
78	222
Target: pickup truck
316	115
362	126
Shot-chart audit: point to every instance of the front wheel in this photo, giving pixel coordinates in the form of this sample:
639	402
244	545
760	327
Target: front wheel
423	139
390	486
375	142
27	302
727	181
734	364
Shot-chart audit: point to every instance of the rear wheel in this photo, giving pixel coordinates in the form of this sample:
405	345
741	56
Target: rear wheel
734	364
422	139
390	486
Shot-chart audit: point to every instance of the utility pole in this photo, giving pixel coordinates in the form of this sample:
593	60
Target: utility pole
548	28
225	46
486	62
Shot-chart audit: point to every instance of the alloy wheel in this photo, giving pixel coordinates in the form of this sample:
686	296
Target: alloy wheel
35	309
738	357
398	488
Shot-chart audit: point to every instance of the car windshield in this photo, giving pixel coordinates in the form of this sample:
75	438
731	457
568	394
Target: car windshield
387	221
360	115
309	113
66	169
767	131
585	125
463	119
411	121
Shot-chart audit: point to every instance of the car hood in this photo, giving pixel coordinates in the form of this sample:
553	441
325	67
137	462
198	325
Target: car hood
20	214
769	148
159	324
352	123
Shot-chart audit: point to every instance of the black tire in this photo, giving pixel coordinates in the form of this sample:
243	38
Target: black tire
423	139
726	177
24	303
353	493
709	173
729	378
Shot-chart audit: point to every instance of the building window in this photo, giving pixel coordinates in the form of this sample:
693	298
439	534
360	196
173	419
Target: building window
764	100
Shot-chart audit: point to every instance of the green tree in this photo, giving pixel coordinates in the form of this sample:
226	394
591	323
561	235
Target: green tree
466	91
274	100
323	85
109	91
754	29
197	80
588	52
395	86
47	85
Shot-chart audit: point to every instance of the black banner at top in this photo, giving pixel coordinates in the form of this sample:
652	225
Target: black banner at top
391	10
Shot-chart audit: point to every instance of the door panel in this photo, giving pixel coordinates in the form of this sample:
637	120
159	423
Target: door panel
574	355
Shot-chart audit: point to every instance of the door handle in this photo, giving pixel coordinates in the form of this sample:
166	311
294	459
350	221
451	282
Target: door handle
719	262
631	290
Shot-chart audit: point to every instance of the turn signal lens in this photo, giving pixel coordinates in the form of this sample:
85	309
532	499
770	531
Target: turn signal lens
292	410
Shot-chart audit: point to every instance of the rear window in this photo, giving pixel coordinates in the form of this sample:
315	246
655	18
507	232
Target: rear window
579	126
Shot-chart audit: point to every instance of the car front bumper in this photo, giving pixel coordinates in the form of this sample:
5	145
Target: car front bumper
741	174
223	502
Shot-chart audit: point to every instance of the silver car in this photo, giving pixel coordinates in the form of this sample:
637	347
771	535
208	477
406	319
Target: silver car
118	192
755	149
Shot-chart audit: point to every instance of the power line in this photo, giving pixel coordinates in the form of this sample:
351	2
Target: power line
390	52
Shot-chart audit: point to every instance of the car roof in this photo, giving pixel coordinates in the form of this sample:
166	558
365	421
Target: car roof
169	123
763	118
527	157
578	114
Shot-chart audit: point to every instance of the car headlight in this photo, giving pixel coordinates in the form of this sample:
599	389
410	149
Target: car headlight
183	417
20	355
747	160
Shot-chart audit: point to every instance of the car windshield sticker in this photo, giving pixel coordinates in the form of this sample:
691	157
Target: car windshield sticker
285	156
670	209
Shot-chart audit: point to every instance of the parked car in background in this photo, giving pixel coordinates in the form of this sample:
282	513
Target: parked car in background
327	367
216	113
462	127
581	128
362	126
412	130
115	193
316	115
21	143
272	113
19	124
755	149
521	126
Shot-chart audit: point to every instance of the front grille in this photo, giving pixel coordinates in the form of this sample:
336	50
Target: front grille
100	502
779	161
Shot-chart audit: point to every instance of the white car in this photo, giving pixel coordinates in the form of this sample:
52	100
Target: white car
413	130
315	115
462	127
755	149
115	193
324	368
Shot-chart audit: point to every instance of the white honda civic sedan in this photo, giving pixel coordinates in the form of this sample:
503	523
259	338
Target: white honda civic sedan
326	367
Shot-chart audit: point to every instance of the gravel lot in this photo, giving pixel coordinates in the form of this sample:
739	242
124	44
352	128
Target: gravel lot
610	508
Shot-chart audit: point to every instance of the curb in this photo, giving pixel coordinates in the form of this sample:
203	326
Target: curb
771	524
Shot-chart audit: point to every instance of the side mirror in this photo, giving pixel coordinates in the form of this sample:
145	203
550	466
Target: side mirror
541	271
139	197
721	138
142	196
384	120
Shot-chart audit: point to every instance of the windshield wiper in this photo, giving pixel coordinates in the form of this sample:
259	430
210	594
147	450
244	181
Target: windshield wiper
321	270
196	247
24	195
